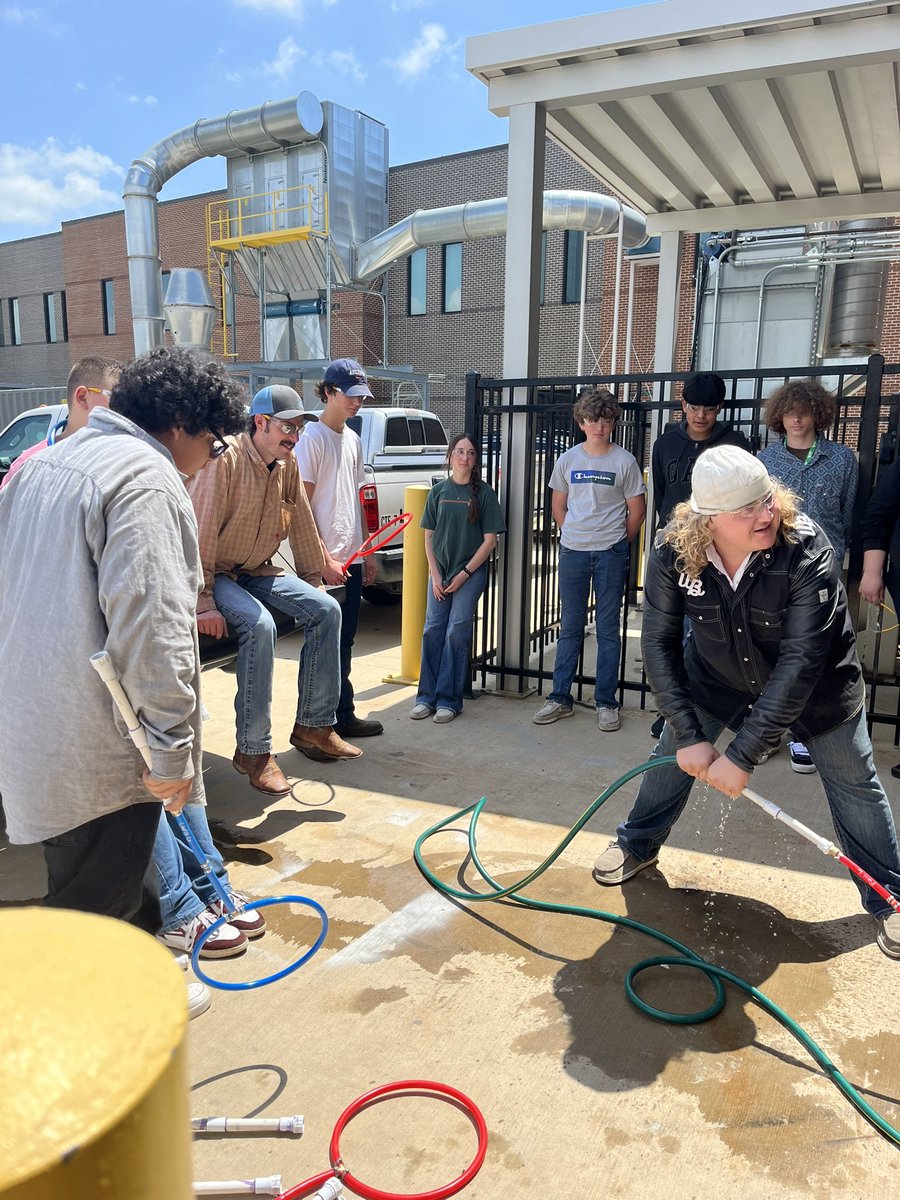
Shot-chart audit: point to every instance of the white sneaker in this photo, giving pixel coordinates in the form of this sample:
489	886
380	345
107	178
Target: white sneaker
608	718
552	711
251	923
420	712
443	716
199	999
225	942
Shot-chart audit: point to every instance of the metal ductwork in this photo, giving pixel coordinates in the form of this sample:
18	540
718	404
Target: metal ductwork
858	291
565	209
276	123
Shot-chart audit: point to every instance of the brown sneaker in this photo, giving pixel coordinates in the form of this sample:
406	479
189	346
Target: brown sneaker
324	739
263	771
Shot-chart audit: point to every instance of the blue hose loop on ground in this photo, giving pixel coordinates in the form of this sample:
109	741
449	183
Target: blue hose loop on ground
684	957
230	910
288	970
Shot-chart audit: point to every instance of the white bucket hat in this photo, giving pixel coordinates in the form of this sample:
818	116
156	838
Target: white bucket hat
726	478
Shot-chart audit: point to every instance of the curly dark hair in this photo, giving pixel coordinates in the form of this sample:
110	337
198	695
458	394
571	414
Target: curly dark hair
475	478
173	387
803	395
595	404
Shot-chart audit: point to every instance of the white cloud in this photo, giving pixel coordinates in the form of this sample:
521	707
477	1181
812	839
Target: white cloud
399	6
343	62
42	185
424	53
288	8
142	100
285	56
16	16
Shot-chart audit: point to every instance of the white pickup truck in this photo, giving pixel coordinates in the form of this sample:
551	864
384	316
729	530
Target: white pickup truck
400	446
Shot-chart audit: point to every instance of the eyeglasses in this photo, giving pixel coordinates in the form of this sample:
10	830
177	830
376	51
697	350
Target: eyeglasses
701	408
296	430
100	391
755	509
217	446
465	453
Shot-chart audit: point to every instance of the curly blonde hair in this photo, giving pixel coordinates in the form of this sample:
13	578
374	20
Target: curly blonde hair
689	534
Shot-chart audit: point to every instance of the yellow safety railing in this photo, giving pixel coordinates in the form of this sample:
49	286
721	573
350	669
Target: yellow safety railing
239	219
263	219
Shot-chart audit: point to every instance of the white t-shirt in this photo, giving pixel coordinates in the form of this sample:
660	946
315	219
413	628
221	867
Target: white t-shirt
334	463
597	487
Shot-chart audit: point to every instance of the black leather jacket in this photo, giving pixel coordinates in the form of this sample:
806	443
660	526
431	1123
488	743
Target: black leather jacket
777	653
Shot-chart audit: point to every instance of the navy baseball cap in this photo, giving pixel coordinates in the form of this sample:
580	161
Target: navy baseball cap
348	377
277	400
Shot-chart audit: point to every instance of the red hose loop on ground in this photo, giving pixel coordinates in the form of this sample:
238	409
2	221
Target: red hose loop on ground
339	1168
411	1085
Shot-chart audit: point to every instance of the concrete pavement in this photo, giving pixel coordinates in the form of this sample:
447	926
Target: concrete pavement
525	1011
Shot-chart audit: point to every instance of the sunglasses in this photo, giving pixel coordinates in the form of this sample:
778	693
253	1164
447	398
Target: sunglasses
217	446
296	430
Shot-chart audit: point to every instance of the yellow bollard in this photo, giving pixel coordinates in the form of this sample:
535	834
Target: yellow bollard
93	1079
415	587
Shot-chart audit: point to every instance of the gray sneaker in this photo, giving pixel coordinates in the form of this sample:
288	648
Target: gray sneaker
888	937
444	716
615	865
608	718
421	711
551	711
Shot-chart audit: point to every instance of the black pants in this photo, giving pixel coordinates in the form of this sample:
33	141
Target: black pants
100	867
350	607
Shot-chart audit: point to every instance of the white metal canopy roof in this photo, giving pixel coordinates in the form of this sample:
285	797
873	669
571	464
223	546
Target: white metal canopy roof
786	115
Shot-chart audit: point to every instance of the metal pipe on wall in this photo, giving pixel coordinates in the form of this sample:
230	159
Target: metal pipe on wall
276	123
562	209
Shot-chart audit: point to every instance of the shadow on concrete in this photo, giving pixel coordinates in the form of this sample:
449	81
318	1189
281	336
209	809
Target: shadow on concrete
614	1047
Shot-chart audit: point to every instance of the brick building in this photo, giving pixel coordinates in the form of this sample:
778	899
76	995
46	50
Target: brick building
64	295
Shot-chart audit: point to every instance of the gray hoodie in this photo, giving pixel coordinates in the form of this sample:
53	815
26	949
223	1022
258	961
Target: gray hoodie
98	550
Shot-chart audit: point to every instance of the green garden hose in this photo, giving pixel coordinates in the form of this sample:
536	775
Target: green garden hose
683	956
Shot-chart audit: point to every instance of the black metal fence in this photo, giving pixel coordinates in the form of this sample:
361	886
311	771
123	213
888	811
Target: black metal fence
867	419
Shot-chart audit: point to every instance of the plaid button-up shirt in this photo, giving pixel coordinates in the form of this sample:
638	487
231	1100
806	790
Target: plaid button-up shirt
245	511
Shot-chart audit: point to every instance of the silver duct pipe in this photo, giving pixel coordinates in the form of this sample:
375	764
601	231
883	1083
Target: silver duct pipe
857	304
567	209
270	125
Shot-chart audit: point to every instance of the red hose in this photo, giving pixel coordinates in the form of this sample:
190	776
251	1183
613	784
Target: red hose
371	1193
385	534
867	878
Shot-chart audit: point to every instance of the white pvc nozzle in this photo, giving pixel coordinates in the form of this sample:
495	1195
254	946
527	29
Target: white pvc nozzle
247	1124
330	1190
266	1185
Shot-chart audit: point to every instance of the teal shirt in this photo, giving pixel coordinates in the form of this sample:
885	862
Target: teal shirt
454	538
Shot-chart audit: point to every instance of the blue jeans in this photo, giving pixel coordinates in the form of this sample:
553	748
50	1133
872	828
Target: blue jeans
184	889
859	807
241	603
608	571
349	622
446	640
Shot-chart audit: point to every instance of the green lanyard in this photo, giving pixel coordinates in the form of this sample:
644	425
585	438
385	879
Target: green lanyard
810	454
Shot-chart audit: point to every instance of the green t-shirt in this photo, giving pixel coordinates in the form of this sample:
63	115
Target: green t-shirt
454	538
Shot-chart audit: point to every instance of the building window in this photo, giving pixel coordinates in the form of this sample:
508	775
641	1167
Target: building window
64	314
50	317
417	282
453	277
15	329
109	306
543	264
572	268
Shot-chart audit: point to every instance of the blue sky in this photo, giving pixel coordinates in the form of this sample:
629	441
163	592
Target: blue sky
88	86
